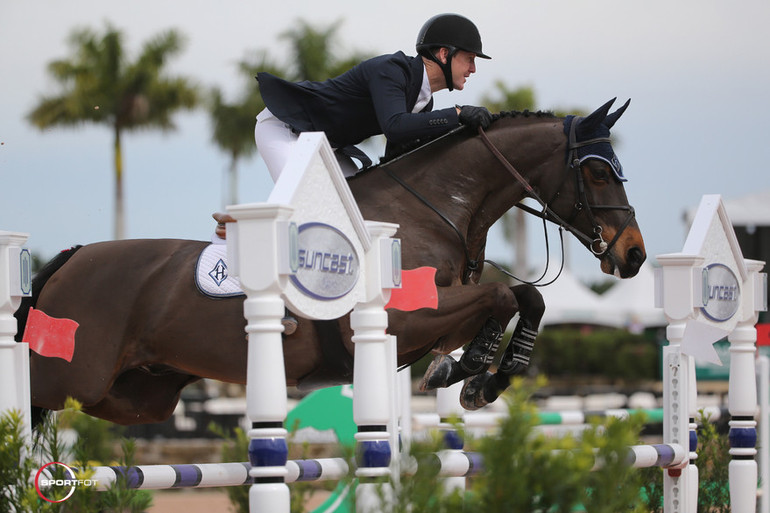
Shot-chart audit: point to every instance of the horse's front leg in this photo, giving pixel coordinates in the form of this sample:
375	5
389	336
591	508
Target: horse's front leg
486	310
486	388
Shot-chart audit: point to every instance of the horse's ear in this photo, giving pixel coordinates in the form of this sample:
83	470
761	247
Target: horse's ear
594	119
609	121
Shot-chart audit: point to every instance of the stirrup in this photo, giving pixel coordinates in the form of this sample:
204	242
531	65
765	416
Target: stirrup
222	219
289	325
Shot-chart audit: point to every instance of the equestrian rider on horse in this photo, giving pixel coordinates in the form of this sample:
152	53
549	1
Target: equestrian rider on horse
389	94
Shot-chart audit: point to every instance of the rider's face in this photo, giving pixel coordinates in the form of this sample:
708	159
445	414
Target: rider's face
463	64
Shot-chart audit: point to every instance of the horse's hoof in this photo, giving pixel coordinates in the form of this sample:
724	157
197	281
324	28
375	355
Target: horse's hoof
472	394
289	325
437	375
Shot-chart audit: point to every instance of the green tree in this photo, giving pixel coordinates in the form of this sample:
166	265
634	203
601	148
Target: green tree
504	98
314	52
233	123
99	84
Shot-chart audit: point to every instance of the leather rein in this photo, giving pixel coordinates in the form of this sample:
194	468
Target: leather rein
596	244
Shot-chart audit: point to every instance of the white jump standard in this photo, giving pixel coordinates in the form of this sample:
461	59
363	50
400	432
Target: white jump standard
15	283
311	210
709	291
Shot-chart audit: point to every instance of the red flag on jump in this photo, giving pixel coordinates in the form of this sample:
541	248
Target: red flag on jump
418	290
49	336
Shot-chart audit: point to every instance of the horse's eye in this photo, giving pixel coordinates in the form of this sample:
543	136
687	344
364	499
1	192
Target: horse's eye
599	171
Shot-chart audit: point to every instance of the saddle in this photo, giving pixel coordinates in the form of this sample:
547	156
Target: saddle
222	219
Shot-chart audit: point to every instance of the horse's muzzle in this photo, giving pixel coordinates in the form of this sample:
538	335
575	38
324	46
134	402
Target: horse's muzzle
626	267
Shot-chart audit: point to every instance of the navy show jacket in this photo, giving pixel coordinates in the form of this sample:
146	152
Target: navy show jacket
375	97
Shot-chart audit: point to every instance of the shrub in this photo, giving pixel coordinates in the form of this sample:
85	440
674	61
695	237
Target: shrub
20	460
616	355
713	463
525	470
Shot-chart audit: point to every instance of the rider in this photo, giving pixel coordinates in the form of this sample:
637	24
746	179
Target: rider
389	94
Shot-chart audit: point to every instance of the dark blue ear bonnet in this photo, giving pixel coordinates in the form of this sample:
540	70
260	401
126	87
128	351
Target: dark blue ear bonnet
599	150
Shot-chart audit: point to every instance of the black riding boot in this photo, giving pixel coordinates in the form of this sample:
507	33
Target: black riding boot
445	371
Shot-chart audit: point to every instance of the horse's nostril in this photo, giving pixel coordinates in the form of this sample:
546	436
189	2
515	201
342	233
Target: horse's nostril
636	256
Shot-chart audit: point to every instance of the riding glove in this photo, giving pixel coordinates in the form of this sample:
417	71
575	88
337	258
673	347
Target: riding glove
474	117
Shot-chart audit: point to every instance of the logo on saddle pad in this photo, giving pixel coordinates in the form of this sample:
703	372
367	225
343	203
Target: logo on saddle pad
325	265
211	273
219	272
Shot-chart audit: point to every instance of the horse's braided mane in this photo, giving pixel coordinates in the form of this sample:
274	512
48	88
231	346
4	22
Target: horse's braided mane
413	146
523	114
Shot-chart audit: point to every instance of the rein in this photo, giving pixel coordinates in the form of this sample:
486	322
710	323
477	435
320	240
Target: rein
597	245
471	264
547	213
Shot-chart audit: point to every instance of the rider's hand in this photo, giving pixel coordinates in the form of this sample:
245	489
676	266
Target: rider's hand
475	117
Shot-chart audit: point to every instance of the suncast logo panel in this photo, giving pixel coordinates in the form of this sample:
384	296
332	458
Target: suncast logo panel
721	293
328	265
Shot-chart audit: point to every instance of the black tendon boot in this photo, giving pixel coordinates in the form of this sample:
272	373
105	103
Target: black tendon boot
445	371
486	388
516	357
481	351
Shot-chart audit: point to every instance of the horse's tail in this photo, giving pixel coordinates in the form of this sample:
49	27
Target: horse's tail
38	282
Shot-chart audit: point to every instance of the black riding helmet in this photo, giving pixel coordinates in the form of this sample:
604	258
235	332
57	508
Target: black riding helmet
452	31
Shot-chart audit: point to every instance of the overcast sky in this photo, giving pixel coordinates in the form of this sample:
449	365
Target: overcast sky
697	72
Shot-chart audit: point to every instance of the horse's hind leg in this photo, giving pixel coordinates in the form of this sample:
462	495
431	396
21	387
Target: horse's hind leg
487	387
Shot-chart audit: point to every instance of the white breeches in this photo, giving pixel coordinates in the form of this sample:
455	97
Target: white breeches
275	140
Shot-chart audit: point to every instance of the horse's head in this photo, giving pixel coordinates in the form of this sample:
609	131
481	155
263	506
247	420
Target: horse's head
596	210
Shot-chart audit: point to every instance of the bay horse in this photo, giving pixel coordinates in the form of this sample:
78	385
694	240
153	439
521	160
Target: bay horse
145	331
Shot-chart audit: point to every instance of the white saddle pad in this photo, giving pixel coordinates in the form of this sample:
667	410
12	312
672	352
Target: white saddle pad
211	273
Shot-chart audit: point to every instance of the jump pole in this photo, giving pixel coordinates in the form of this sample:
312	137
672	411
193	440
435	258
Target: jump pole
209	475
452	464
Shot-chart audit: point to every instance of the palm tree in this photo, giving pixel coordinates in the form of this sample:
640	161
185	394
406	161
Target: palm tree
100	85
315	52
233	123
314	57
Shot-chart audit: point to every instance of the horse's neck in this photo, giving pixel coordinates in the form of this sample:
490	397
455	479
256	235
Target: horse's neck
532	148
462	179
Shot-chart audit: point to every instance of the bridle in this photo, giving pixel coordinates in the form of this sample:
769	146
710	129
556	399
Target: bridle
595	243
